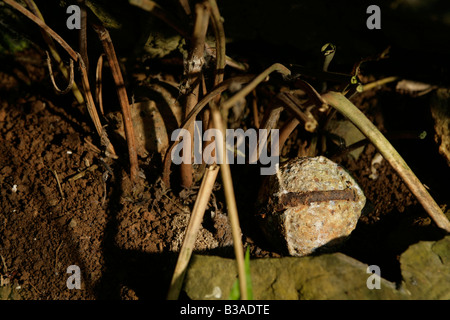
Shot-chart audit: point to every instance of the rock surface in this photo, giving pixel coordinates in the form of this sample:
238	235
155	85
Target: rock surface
309	203
425	268
440	110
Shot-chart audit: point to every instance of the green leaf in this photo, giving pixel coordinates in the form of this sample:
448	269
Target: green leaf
248	277
235	293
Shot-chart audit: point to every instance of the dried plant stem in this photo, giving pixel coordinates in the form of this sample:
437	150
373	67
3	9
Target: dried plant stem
44	26
91	105
349	110
194	66
255	109
314	97
252	85
160	13
231	203
99	83
228	104
76	57
195	111
5	268
82	173
310	122
289	126
123	98
82	39
52	78
269	121
294	105
286	131
52	48
378	83
271	116
59	183
186	7
321	75
219	33
219	71
192	230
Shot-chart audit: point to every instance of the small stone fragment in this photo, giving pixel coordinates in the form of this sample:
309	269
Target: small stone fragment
309	203
72	223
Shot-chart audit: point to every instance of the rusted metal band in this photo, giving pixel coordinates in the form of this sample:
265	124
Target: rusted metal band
293	199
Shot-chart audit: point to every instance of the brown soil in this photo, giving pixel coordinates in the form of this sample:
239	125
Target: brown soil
123	237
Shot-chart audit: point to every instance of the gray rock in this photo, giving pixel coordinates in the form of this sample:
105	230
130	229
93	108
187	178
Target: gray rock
425	270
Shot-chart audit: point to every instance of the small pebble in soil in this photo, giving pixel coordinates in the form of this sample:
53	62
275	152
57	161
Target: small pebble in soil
310	203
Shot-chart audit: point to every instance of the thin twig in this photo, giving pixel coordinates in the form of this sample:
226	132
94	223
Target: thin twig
349	110
51	46
95	149
313	95
252	85
56	257
44	26
269	122
310	123
71	77
192	230
186	7
378	83
286	130
328	51
76	57
191	117
37	290
228	104
194	66
160	13
82	173
59	184
4	264
91	105
82	36
337	77
206	113
255	109
104	177
123	98
231	203
295	107
99	83
219	33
